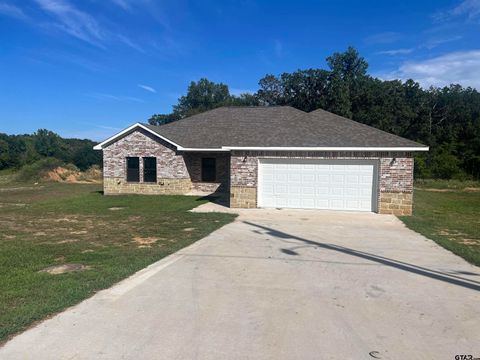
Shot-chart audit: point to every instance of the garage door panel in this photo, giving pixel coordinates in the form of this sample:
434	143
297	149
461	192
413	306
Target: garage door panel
295	177
268	189
338	178
336	191
295	189
352	192
321	184
322	190
323	178
308	178
268	177
352	179
308	203
308	190
366	179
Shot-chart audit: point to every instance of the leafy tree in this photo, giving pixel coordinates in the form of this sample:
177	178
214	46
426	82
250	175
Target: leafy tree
161	119
271	91
47	143
84	157
201	96
245	99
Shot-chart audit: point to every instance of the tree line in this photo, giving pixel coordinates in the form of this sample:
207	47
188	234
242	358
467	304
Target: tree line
19	150
447	119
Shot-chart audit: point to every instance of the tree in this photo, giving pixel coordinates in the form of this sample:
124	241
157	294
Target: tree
161	119
47	143
201	96
348	66
271	91
347	69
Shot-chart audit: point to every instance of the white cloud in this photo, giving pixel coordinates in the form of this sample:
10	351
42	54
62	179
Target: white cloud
130	43
74	21
470	8
12	10
124	4
103	96
387	37
433	43
461	67
467	8
394	52
147	88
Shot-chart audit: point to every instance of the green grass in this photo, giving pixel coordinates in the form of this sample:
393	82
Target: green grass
450	218
50	223
446	184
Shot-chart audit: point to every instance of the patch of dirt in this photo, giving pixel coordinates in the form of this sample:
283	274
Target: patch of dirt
64	268
142	241
80	232
467	189
67	241
39	233
471	189
116	208
11	204
447	232
60	259
87	251
66	219
9	236
189	229
470	241
73	175
438	190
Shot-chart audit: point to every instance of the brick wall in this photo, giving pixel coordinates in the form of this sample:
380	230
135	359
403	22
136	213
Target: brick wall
395	177
170	165
193	162
177	173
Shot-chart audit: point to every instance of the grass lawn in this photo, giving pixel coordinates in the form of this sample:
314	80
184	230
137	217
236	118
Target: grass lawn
450	216
113	236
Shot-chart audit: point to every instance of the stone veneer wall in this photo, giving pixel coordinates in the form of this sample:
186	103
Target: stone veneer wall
177	173
395	180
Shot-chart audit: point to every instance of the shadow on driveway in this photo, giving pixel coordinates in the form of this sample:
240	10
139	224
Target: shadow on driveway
418	270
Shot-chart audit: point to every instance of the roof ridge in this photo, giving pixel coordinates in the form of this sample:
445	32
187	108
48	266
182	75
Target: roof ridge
234	107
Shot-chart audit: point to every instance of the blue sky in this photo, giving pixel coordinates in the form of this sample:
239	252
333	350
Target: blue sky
89	68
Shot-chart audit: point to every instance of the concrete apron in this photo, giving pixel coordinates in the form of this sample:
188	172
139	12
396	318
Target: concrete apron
279	284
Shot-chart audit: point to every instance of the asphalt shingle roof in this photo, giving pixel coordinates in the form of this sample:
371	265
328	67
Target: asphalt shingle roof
275	126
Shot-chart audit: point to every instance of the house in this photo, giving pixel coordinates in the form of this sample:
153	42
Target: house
276	156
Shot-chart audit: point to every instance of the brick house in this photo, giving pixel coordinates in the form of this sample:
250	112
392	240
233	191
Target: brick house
265	157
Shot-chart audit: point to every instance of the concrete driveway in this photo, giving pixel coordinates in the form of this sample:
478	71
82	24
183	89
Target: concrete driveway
279	284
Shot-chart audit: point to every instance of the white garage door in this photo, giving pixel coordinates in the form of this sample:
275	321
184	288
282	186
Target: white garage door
317	184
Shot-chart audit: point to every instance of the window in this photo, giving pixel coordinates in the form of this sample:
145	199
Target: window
133	169
149	169
209	169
